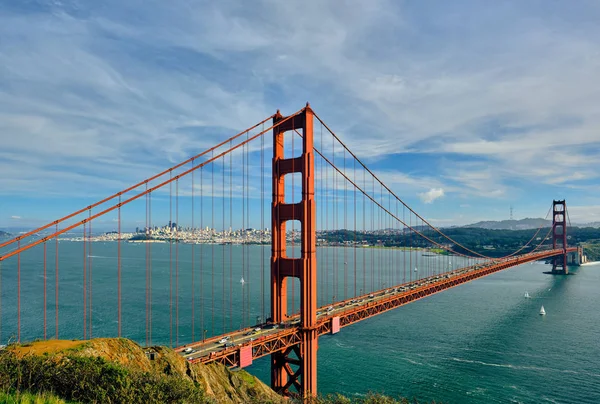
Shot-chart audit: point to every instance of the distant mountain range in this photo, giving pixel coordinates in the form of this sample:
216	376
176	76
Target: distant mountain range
523	224
4	234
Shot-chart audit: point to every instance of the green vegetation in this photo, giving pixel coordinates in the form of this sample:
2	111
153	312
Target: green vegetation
140	237
28	398
117	370
247	378
92	379
493	243
591	249
439	251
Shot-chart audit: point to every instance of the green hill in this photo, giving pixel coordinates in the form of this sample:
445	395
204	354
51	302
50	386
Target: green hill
121	371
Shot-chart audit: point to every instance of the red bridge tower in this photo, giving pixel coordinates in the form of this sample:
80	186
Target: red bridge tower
559	237
304	355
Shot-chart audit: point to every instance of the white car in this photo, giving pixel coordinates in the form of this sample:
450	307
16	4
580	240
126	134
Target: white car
187	350
224	340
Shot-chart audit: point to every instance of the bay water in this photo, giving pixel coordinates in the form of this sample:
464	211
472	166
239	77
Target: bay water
482	342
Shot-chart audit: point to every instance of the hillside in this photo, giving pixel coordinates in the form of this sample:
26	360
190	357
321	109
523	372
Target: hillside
522	224
119	370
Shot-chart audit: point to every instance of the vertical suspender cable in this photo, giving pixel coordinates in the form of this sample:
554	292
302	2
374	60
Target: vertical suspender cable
345	231
319	225
323	269
410	267
0	302
84	284
90	270
246	245
262	223
45	267
119	270
364	223
202	291
223	296
404	243
379	250
176	262
397	261
19	293
148	232
243	233
150	271
335	224
231	235
293	154
193	254
56	285
212	245
354	249
326	193
373	234
170	260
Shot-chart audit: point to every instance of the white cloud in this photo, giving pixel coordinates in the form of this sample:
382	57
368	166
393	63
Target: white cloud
431	195
15	217
93	104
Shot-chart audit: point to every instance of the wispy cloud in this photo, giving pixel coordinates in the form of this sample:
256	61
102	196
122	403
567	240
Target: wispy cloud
93	100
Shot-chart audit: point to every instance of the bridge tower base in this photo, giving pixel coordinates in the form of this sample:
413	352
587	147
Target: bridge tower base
303	377
559	237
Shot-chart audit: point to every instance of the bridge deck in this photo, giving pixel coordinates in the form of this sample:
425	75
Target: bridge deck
266	339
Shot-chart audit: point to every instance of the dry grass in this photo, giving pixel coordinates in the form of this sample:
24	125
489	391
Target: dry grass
43	347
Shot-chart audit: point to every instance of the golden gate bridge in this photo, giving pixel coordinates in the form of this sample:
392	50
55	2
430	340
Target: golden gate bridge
315	203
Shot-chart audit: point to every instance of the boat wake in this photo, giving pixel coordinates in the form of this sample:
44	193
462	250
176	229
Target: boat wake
521	367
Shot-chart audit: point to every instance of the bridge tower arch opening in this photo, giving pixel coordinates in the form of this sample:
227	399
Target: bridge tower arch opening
303	376
559	237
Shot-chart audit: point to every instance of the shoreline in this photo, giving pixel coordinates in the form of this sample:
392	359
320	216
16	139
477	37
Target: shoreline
591	263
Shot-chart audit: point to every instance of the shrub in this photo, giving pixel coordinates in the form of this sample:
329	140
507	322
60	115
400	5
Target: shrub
93	379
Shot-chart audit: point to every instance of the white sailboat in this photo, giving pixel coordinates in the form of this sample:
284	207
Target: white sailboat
242	281
416	269
542	311
527	295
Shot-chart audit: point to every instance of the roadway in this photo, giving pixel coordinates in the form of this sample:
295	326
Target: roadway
269	338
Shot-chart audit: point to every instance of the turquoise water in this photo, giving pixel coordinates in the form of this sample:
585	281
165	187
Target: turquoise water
478	343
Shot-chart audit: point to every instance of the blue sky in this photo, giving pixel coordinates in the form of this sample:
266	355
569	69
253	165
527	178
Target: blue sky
463	108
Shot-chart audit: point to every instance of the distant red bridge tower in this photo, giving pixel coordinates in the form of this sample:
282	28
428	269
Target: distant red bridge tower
304	355
559	237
